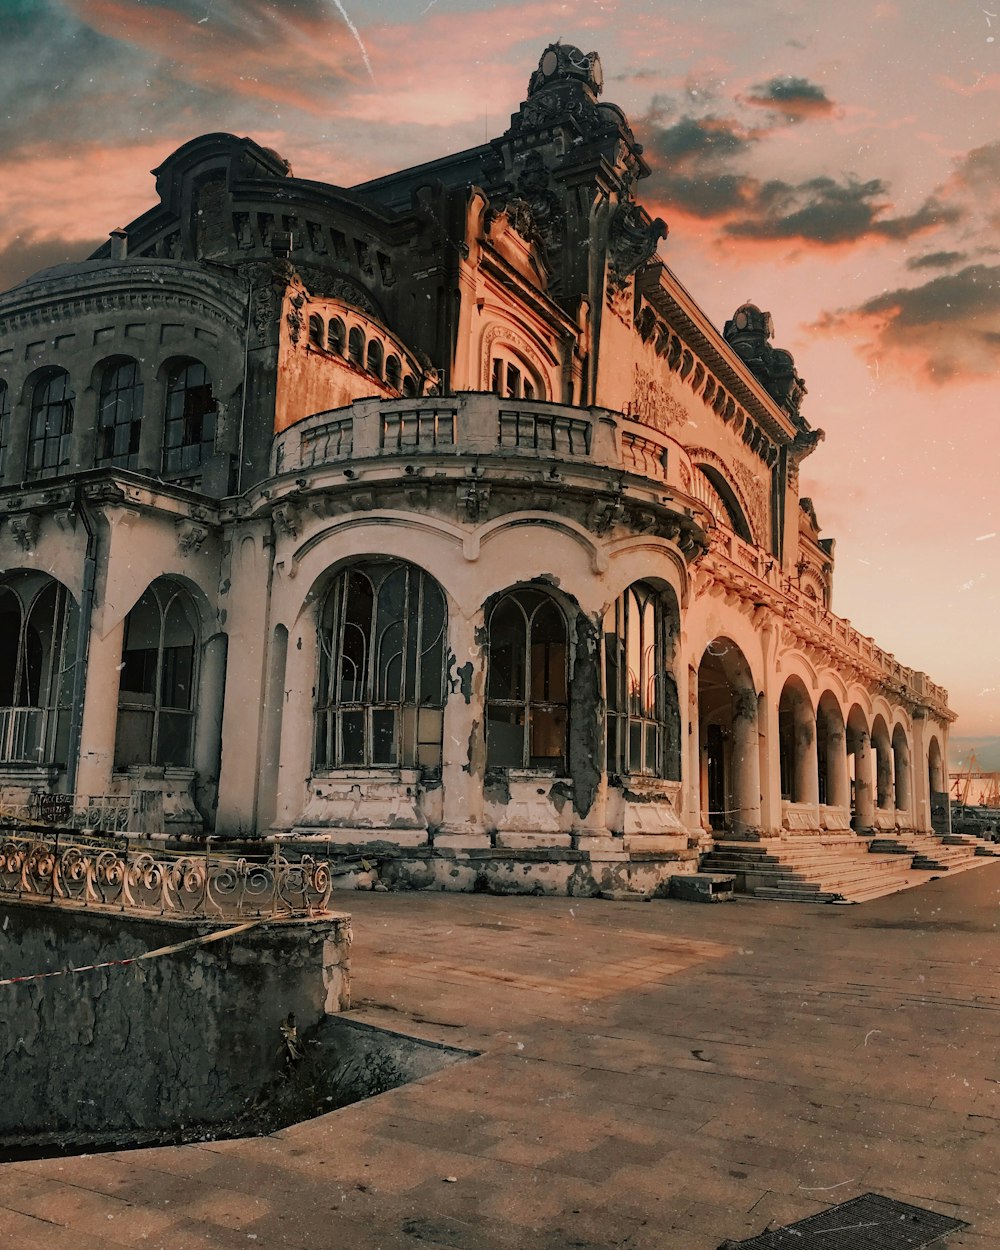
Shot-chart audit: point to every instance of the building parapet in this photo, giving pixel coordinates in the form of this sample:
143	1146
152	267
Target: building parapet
475	423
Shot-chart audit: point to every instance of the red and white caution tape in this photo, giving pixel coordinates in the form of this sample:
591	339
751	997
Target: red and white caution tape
121	963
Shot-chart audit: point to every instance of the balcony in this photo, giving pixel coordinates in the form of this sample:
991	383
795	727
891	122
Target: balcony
480	424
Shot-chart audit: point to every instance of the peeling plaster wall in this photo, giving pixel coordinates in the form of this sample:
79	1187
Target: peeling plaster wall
181	1039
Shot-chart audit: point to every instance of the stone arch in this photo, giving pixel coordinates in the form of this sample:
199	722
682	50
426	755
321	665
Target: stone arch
831	749
797	744
728	739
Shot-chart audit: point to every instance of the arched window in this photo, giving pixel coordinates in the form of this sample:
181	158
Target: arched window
526	695
356	346
375	358
380	695
34	622
4	425
511	377
643	713
189	424
335	336
158	675
393	372
316	329
51	424
409	386
119	415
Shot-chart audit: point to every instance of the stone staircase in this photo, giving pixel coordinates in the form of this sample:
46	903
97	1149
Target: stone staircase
831	868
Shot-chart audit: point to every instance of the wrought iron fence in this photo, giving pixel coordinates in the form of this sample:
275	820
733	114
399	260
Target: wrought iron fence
38	868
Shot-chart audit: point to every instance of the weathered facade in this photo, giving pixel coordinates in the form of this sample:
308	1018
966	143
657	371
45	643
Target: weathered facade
431	514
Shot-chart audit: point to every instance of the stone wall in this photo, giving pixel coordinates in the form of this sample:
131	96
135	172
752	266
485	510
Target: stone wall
180	1040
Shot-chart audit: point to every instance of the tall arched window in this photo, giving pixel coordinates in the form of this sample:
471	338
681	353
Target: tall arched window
158	675
189	421
34	622
356	346
380	695
51	424
316	329
643	713
119	415
4	425
374	363
527	707
335	336
393	372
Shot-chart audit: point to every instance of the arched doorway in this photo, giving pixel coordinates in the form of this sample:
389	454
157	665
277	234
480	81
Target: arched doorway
728	743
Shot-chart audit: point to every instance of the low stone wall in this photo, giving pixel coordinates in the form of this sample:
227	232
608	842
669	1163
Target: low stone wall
183	1039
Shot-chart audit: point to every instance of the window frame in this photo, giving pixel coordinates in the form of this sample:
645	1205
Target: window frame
527	708
186	455
415	717
638	723
111	401
46	409
165	594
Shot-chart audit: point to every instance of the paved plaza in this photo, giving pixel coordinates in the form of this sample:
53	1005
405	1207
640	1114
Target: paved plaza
651	1076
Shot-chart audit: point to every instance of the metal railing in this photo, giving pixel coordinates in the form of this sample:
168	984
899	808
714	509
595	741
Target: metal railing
45	868
22	734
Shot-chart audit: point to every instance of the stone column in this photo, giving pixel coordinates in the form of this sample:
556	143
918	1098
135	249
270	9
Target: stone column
806	757
208	726
746	761
883	777
920	780
100	712
463	761
691	748
244	605
770	765
295	762
838	777
864	789
902	796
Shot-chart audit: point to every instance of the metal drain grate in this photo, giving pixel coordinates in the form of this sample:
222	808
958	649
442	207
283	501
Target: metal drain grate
870	1222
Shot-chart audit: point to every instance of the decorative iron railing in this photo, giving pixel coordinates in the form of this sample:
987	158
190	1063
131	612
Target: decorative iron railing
46	869
94	813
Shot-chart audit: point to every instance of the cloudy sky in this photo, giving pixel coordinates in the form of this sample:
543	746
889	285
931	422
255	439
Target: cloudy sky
837	164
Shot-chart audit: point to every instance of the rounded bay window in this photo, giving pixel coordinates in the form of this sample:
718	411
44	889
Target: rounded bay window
380	694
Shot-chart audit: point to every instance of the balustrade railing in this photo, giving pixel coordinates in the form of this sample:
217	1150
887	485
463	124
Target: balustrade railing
22	734
107	873
550	433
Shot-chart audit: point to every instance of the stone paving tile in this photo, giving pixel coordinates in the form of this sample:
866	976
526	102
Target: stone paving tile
841	1049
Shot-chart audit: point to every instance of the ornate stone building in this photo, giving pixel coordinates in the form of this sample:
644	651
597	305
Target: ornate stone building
433	516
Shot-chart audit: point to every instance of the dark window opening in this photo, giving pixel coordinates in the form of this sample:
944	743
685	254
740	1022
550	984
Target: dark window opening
189	427
527	705
119	416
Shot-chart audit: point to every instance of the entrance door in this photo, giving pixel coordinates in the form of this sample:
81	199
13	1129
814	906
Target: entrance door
715	751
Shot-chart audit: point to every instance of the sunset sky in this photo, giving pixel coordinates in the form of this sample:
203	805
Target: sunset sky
838	165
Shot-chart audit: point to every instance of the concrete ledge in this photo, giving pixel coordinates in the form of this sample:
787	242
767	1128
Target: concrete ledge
703	887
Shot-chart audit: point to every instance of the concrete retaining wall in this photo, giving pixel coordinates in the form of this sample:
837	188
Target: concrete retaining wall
180	1040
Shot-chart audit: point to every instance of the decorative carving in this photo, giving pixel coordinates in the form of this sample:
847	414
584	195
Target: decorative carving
191	536
24	529
287	521
653	404
473	499
632	242
294	318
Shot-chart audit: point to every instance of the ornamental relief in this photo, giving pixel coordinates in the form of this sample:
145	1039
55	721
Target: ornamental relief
653	404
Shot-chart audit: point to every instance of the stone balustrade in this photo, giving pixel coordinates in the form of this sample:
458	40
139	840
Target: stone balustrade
480	424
